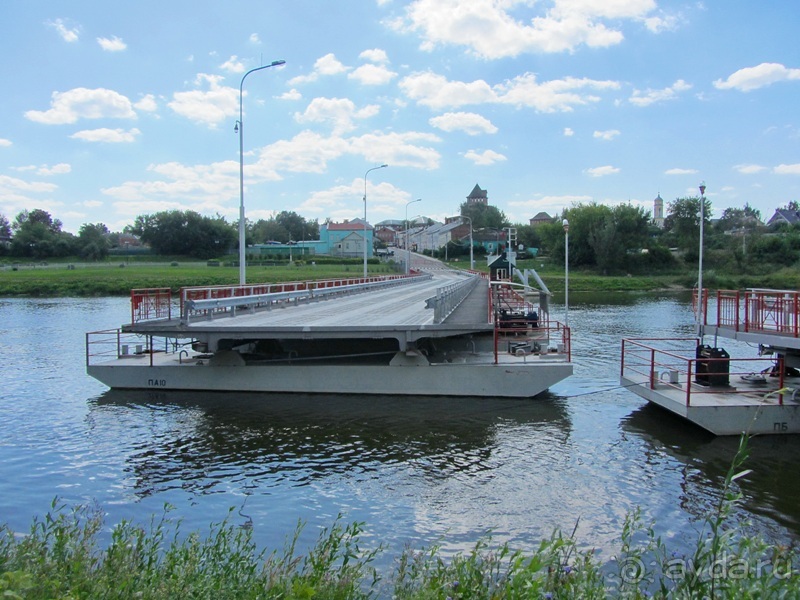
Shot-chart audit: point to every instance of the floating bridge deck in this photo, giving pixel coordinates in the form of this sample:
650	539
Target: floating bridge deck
432	303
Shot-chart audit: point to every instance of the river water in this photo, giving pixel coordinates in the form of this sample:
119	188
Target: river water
415	471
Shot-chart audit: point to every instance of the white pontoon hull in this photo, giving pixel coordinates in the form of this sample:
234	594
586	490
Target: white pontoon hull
517	380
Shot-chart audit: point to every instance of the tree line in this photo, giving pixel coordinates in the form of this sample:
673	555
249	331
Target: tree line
608	239
36	234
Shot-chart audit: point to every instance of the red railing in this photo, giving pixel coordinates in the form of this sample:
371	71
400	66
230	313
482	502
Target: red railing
515	325
150	304
756	311
671	366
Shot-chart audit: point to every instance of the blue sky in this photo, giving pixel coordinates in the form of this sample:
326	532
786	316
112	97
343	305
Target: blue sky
112	110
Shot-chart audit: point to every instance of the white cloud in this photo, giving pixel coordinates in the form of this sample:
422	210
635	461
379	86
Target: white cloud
59	169
10	186
338	112
82	103
607	135
469	123
233	65
329	65
787	169
181	186
147	103
752	78
749	169
370	74
69	33
661	22
110	136
375	55
113	44
325	65
292	94
602	171
561	95
568	132
488	28
4	143
679	171
254	39
651	96
485	158
209	107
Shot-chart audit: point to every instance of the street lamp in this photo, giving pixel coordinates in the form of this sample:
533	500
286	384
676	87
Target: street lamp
239	128
565	223
408	252
700	259
365	215
471	245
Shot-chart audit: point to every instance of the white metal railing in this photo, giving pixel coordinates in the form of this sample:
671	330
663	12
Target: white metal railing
449	297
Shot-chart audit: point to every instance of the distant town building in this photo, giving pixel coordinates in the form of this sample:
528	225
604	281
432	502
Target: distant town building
387	235
658	211
784	215
478	196
542	217
335	239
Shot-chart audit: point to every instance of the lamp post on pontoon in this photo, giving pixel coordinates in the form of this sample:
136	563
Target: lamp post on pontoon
408	252
239	128
365	215
700	261
565	223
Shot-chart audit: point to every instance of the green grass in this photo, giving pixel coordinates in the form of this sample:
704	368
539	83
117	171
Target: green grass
61	557
105	279
118	278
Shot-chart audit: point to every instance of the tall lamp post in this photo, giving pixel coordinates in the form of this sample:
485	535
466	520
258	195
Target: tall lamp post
239	128
408	251
471	245
700	260
365	214
565	223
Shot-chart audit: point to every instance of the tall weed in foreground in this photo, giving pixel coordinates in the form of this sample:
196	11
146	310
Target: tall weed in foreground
60	558
725	562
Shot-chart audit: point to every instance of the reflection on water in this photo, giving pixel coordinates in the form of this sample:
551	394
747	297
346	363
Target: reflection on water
271	439
415	470
771	489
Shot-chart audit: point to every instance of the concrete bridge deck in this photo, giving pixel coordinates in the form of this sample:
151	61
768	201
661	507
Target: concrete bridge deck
366	313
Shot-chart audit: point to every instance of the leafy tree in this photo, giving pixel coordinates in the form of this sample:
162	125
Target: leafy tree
38	235
285	226
265	230
93	241
184	233
5	235
528	236
739	218
599	235
683	221
484	215
5	228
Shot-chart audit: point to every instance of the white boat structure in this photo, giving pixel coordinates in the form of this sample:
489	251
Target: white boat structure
723	394
436	332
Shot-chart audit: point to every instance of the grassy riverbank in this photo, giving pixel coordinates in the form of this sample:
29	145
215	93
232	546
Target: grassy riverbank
103	279
61	557
117	279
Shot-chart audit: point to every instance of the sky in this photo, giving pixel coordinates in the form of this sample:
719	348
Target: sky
113	110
